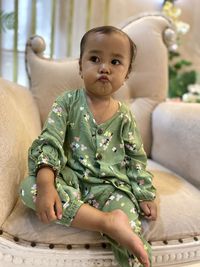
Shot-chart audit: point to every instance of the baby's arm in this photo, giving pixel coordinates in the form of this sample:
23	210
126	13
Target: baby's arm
47	157
48	204
140	178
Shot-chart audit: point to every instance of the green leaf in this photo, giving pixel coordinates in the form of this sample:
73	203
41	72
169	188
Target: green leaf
172	72
178	65
185	62
179	83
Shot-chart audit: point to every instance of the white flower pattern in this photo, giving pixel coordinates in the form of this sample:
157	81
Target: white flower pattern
81	139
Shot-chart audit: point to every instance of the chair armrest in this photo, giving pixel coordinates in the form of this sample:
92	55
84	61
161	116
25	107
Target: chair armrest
176	138
19	125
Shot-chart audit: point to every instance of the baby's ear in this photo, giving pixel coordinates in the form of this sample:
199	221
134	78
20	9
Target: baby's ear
80	68
127	76
128	73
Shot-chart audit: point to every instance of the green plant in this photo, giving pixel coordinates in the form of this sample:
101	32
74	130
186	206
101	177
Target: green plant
180	73
7	20
180	76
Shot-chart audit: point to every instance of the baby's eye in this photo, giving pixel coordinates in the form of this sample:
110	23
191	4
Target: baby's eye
94	59
115	62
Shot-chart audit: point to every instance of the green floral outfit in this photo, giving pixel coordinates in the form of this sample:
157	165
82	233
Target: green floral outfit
102	165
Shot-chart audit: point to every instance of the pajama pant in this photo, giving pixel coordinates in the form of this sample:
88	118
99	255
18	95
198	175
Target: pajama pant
105	197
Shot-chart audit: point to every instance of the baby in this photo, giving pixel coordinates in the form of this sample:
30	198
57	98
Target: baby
87	169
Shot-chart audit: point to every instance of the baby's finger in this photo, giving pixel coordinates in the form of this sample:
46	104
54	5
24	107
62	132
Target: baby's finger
146	210
58	209
51	216
145	261
153	215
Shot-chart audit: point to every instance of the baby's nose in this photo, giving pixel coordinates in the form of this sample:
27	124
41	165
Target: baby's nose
104	68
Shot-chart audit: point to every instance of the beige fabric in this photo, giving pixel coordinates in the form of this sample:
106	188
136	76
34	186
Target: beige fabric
24	224
148	80
19	124
178	206
50	78
143	108
119	10
147	83
178	203
178	126
149	76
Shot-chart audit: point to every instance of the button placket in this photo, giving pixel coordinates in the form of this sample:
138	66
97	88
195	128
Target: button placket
99	138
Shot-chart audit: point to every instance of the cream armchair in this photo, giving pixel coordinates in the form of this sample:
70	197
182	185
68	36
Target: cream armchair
170	132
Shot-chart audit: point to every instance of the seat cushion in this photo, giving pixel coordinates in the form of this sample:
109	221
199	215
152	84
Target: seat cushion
178	206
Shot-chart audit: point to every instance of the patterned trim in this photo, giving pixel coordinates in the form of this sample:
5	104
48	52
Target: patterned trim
164	253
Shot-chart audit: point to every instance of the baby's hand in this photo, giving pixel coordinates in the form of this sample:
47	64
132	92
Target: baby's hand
150	210
48	203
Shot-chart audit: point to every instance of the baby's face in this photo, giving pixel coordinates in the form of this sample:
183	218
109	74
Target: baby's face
105	63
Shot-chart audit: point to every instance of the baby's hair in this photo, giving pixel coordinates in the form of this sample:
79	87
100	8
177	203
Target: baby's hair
109	30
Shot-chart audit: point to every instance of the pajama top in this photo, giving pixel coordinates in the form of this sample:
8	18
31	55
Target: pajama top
79	149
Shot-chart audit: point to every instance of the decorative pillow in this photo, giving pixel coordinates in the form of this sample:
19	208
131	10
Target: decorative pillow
178	126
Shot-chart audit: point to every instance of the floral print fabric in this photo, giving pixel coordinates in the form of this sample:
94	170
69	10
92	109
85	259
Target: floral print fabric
87	157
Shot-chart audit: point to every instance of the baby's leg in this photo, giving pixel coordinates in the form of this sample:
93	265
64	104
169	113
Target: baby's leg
112	221
136	249
115	224
118	220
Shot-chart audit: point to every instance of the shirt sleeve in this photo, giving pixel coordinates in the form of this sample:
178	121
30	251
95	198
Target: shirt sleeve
140	178
47	149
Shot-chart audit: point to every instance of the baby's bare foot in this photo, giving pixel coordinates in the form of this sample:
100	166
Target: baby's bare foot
117	227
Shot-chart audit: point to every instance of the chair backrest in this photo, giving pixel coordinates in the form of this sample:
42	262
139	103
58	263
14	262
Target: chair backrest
147	84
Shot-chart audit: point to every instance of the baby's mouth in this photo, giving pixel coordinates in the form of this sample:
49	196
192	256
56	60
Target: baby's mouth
103	78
